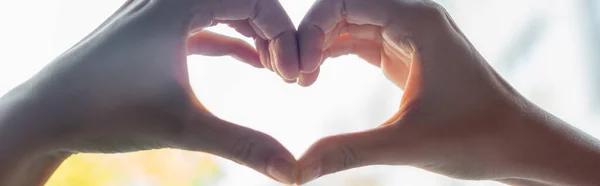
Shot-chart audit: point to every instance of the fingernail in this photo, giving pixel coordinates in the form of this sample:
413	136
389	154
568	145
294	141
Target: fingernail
282	170
302	81
290	81
311	173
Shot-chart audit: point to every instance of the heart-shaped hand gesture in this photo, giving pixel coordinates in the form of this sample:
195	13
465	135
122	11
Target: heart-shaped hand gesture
125	88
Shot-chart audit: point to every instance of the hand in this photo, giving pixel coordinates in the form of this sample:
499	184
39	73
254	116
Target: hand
457	117
125	87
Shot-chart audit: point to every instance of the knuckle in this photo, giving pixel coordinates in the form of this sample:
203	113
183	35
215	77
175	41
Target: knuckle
430	12
243	149
432	7
427	11
350	160
344	153
417	21
337	6
422	11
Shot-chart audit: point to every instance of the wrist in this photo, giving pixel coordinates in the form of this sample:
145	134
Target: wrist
25	154
551	151
15	149
20	134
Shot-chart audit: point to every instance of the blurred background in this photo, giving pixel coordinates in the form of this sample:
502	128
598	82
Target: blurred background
547	49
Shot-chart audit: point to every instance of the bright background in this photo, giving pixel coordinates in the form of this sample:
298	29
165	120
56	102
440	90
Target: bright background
545	48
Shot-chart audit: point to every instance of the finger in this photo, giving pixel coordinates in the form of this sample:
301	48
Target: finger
290	81
346	44
271	23
395	64
248	147
244	27
324	17
382	20
284	56
307	79
241	26
319	32
395	69
211	44
263	48
249	29
337	153
368	50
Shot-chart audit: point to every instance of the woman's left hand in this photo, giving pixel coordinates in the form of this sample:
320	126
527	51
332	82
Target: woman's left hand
125	87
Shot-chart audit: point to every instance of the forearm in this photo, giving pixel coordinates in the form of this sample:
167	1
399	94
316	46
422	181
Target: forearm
549	151
37	172
12	152
13	161
554	152
10	164
29	171
19	162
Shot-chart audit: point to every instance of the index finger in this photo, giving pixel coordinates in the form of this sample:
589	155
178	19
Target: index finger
325	15
270	22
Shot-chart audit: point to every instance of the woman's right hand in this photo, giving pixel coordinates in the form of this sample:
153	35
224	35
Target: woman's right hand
457	117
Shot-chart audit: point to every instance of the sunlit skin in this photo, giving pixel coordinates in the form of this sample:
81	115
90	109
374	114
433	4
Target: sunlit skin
125	88
457	116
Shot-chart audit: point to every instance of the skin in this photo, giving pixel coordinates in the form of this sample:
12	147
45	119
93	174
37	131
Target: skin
125	88
457	116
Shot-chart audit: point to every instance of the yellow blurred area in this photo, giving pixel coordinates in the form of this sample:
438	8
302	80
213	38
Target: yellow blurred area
155	168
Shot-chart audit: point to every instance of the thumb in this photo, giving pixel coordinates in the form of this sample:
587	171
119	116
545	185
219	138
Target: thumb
212	44
337	153
254	149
